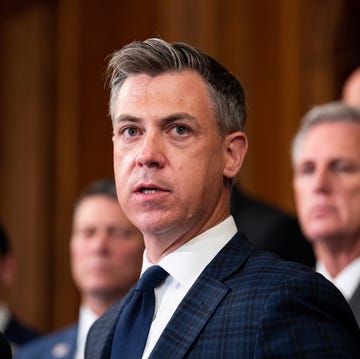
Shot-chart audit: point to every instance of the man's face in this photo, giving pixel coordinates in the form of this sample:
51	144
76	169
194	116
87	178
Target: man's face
106	248
327	182
169	157
7	273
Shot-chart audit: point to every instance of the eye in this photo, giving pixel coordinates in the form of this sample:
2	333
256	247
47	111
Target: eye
343	167
306	168
180	130
118	232
86	232
130	131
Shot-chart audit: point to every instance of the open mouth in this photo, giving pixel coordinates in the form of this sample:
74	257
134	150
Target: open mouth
148	190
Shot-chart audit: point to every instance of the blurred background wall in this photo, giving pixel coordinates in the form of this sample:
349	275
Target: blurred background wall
55	135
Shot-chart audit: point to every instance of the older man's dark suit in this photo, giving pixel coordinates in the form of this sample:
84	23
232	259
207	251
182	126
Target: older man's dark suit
355	304
18	333
249	305
270	228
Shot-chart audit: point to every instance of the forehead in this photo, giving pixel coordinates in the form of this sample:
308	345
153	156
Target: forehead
95	207
176	89
335	139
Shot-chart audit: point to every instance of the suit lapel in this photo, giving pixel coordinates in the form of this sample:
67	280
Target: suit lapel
105	330
201	301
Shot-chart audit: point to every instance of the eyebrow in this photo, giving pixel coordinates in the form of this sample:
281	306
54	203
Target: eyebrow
167	119
125	118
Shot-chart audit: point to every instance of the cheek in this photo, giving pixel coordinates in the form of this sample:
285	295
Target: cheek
123	166
119	160
78	268
79	256
117	163
129	253
204	164
348	198
350	206
301	199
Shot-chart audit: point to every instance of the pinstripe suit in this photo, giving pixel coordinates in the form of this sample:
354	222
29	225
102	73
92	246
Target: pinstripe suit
247	304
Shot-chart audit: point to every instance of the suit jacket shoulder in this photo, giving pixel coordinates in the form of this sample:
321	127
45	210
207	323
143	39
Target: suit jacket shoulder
60	345
248	304
19	333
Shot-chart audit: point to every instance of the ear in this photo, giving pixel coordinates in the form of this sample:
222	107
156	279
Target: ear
235	147
8	269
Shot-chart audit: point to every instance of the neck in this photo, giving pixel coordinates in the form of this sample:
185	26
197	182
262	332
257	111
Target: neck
159	243
99	304
337	255
158	247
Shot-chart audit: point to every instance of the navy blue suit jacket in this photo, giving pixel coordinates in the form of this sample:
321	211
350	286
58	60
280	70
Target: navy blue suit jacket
5	349
247	304
59	345
18	333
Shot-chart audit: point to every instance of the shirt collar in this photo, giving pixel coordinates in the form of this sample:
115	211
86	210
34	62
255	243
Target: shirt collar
86	319
347	280
187	262
4	316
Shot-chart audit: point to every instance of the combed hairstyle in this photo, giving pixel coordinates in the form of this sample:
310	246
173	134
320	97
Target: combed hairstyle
326	113
101	187
155	56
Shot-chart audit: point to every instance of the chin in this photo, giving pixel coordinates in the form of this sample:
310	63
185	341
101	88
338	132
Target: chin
324	235
155	224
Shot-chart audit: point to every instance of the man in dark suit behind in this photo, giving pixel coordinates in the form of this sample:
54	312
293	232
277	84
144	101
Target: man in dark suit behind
16	332
269	228
178	119
327	193
5	349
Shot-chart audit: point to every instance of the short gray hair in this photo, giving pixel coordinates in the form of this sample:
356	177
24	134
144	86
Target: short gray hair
326	113
155	57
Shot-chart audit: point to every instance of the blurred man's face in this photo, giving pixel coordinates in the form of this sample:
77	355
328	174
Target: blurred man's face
106	248
7	273
351	90
327	182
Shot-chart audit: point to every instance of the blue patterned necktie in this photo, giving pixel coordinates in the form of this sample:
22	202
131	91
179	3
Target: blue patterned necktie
134	321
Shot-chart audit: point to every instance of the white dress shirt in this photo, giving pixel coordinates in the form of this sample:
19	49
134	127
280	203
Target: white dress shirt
184	266
347	280
86	320
4	316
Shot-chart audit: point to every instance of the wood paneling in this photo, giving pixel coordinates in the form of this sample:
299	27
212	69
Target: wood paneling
55	135
27	104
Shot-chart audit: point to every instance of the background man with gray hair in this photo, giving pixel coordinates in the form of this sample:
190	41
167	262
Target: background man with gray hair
326	162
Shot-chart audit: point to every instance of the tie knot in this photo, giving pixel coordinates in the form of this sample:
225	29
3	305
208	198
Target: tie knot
151	278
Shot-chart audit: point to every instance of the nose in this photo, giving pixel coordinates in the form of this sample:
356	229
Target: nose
321	180
100	242
151	151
